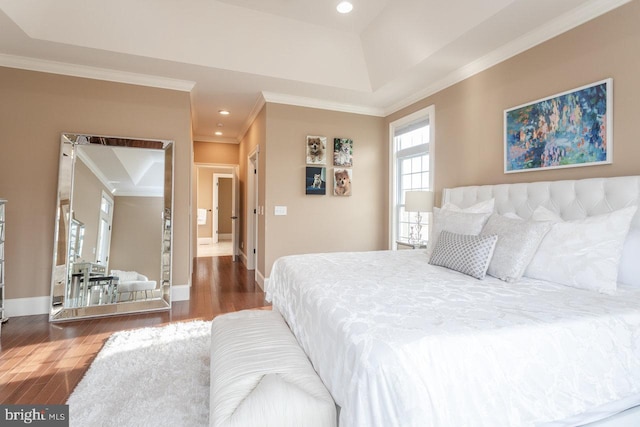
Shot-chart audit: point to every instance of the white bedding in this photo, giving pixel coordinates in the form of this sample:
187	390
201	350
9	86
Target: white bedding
399	342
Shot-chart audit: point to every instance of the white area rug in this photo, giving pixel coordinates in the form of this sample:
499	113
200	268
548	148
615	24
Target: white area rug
147	377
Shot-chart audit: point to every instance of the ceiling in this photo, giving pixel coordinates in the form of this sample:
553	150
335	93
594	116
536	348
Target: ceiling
235	54
126	171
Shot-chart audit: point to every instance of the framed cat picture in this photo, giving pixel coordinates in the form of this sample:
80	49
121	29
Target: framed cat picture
316	180
343	152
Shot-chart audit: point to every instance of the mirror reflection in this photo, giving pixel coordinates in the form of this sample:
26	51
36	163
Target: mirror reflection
113	247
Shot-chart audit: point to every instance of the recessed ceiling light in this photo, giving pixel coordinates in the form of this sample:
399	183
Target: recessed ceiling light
344	7
218	133
223	112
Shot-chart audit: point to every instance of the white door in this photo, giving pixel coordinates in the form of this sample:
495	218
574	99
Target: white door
104	230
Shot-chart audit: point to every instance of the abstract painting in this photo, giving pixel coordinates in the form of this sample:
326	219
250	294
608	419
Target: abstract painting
570	129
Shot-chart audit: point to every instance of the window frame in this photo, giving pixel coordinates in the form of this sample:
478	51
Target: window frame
429	113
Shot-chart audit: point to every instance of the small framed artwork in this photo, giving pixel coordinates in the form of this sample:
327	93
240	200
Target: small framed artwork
342	182
343	152
316	180
316	150
570	129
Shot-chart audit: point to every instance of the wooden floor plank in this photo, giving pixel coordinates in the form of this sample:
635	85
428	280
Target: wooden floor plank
41	362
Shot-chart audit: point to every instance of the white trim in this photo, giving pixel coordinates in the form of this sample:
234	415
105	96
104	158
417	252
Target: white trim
27	306
261	280
553	28
205	240
180	293
280	98
429	112
251	223
243	258
257	107
95	73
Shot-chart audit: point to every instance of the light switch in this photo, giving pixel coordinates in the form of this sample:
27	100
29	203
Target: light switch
280	210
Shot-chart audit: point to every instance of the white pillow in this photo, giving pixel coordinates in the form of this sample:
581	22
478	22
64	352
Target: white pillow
467	254
455	222
582	253
518	241
485	206
125	276
629	269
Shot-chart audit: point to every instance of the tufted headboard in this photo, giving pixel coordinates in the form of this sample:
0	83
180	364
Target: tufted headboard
573	199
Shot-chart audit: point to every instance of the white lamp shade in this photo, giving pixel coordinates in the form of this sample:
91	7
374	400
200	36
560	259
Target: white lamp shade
418	201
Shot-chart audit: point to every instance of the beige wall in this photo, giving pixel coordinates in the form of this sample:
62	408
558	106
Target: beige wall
215	152
469	115
136	241
323	223
35	108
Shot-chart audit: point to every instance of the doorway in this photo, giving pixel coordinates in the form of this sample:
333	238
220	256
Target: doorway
252	210
216	189
104	230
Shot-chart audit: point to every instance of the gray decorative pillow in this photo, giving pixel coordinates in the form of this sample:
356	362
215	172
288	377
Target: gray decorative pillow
465	253
518	241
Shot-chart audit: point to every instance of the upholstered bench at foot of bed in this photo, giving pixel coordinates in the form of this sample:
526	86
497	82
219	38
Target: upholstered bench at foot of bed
261	377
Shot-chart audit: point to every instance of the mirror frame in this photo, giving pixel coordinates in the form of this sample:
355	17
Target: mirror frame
68	153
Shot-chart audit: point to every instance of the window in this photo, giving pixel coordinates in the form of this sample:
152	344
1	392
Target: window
411	168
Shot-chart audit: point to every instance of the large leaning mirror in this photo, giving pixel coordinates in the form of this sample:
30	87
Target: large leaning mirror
113	238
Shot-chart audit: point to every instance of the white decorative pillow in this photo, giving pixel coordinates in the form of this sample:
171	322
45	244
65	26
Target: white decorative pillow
125	276
485	206
518	241
467	254
629	268
455	222
582	253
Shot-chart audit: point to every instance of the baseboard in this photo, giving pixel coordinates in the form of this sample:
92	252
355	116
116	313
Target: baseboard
180	293
27	306
224	236
243	258
205	240
261	280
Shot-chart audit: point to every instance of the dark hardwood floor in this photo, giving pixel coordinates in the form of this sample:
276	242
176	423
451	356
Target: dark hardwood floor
41	362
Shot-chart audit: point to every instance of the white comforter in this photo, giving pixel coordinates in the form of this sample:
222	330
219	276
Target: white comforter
401	343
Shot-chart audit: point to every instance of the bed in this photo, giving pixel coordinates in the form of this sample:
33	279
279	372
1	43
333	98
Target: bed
401	342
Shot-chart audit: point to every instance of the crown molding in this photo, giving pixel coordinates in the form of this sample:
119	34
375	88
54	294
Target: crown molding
552	29
95	169
257	107
95	73
279	98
